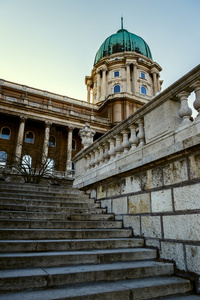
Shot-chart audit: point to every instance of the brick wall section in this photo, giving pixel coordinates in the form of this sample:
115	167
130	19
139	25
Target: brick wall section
162	204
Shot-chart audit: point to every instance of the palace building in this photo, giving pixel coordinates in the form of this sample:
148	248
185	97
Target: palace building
39	125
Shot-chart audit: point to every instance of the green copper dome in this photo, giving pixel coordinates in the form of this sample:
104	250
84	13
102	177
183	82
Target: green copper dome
123	41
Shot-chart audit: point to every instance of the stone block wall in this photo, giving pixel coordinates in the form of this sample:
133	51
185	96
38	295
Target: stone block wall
160	202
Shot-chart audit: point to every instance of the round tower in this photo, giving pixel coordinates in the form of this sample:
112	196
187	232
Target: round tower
124	76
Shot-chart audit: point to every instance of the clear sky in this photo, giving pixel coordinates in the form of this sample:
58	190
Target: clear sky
51	44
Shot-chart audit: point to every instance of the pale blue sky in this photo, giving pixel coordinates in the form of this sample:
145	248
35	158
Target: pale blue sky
51	44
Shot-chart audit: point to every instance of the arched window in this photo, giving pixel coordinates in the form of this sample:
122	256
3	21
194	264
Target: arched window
52	141
5	133
143	90
50	166
29	137
3	158
74	145
26	163
117	89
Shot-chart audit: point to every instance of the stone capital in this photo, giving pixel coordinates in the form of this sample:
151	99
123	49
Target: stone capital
196	85
23	118
183	95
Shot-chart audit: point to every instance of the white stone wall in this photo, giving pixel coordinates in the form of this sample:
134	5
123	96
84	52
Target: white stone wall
161	204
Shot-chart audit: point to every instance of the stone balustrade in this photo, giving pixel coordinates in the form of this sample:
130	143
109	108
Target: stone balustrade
162	117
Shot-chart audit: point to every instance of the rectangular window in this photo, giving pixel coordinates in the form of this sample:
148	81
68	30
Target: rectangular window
142	75
116	74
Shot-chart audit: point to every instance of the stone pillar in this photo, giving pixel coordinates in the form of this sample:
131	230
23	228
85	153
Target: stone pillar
185	111
18	150
196	103
69	149
98	86
128	78
88	92
103	93
155	82
46	142
134	78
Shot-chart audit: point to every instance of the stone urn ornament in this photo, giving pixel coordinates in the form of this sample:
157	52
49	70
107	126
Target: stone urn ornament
86	135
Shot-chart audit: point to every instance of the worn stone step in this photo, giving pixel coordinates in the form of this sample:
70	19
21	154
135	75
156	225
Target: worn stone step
46	196
65	258
85	217
132	289
68	244
27	215
9	234
50	277
58	203
26	224
79	210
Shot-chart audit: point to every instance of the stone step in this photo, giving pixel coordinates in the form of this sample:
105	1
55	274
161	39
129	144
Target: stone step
132	289
33	224
26	215
57	276
24	234
68	244
68	203
33	196
85	217
66	258
79	210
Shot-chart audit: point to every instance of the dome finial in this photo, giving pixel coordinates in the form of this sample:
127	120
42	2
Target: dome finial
122	22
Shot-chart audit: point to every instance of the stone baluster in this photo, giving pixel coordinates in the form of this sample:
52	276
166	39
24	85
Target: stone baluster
106	152
111	152
196	103
87	162
141	134
133	139
96	157
92	164
128	77
125	144
185	111
101	157
118	147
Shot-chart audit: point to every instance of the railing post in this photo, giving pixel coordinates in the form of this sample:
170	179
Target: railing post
196	103
106	152
118	147
133	139
141	134
125	144
101	159
111	152
185	111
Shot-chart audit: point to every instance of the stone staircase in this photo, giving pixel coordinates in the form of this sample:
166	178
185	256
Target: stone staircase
56	243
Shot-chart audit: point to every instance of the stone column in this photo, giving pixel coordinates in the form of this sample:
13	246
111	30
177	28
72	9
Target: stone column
18	150
46	142
103	93
128	78
134	78
88	92
185	111
155	85
69	149
98	86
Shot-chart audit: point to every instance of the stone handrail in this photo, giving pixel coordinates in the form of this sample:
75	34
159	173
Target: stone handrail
166	113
